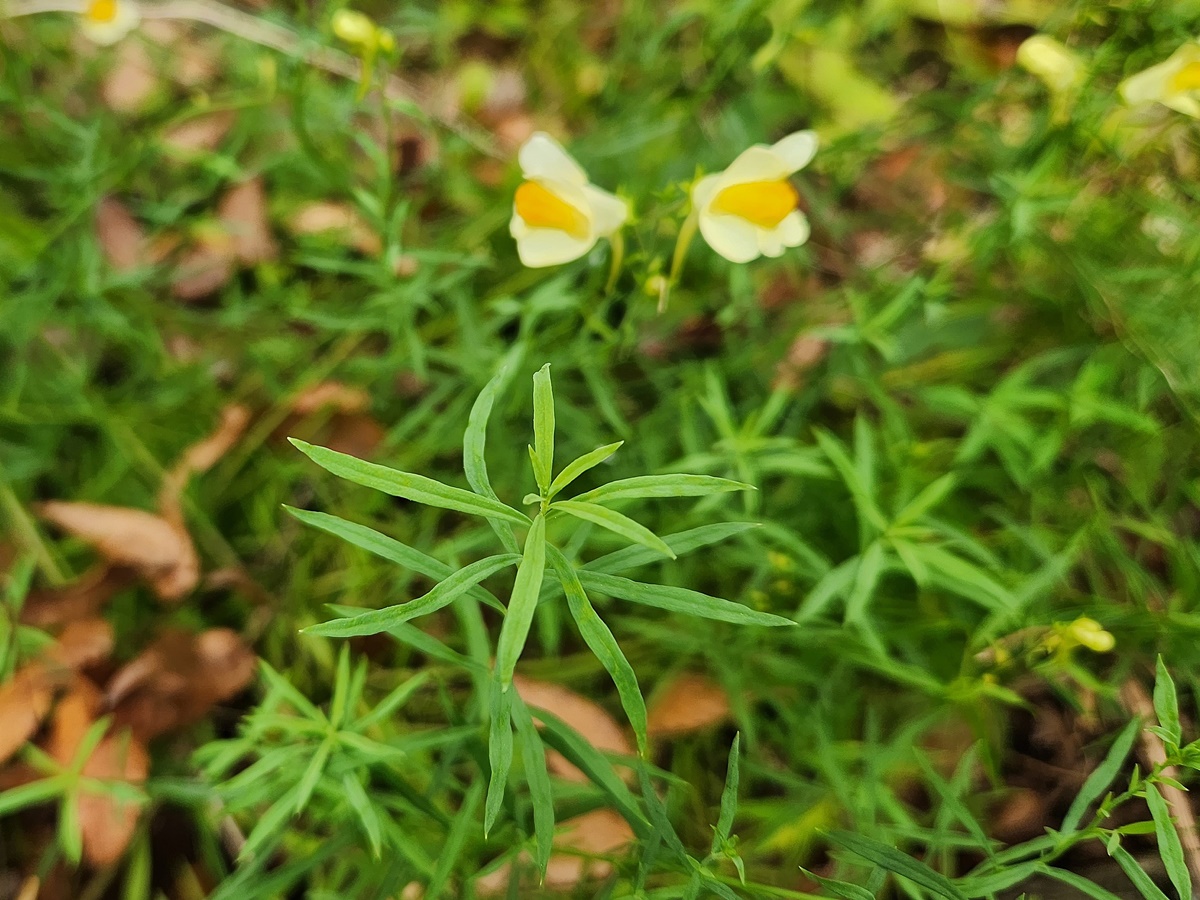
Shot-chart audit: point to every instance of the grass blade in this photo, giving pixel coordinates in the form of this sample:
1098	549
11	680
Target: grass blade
677	599
1169	846
543	428
729	796
616	523
388	548
1166	706
1102	776
475	442
524	601
500	751
368	816
681	544
455	841
581	464
416	488
1143	882
443	594
897	862
600	640
540	794
660	486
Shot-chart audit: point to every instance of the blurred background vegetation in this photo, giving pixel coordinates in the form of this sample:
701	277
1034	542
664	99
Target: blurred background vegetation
968	405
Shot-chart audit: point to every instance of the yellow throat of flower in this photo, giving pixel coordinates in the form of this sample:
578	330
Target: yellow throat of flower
101	11
542	208
764	203
1186	79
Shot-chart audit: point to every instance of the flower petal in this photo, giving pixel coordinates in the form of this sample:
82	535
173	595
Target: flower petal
126	18
543	158
757	163
1148	85
540	247
1184	103
609	212
797	149
731	236
705	189
769	242
794	229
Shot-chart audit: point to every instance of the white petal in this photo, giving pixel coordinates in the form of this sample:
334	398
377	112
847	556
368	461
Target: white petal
757	163
793	230
1148	85
127	18
769	242
1184	103
705	189
608	212
543	158
797	149
731	236
540	247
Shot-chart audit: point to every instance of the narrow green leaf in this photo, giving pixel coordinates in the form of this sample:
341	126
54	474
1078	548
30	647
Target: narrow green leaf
657	486
543	427
929	497
452	849
443	594
864	503
870	566
559	736
842	889
137	870
900	863
1102	776
616	523
729	796
30	794
1166	706
475	441
1169	846
1143	882
500	750
70	828
388	548
1081	884
416	488
681	544
540	794
581	464
392	702
521	606
368	816
270	826
965	578
988	885
677	599
312	774
600	640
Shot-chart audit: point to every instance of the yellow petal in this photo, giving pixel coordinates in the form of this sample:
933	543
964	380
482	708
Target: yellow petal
542	208
764	203
1186	79
101	11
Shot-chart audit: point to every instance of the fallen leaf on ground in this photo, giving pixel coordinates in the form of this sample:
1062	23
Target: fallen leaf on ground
178	679
24	702
204	269
83	643
590	719
599	833
47	607
201	134
689	703
243	210
340	221
200	457
335	394
121	238
131	81
159	550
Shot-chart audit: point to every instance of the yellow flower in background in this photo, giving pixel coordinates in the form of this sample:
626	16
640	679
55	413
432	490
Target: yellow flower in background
107	21
1056	66
1091	634
558	215
751	209
1174	83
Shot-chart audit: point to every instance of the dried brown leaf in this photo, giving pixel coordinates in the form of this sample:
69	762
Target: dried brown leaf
335	394
83	643
691	702
24	702
243	211
132	80
159	550
340	221
48	607
199	135
108	824
200	457
121	238
204	269
590	719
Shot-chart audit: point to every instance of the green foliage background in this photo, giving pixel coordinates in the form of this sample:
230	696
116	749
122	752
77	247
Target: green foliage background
1001	436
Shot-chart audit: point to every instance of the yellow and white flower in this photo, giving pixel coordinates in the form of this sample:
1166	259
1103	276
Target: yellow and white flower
107	21
558	215
751	209
1174	82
